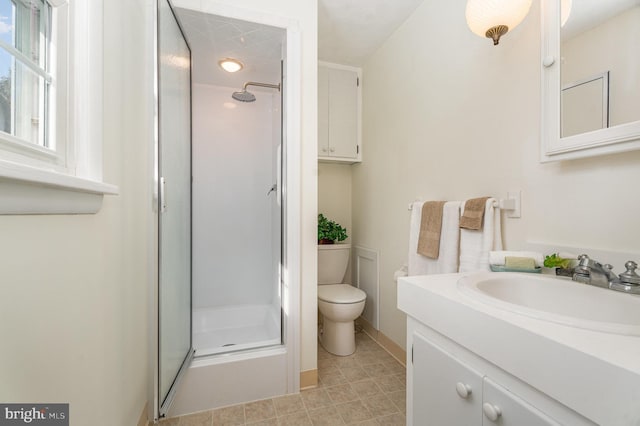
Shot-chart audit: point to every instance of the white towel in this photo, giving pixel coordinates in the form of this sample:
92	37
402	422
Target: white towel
498	257
476	245
447	261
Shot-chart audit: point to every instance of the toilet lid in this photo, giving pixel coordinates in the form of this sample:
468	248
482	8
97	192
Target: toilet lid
341	293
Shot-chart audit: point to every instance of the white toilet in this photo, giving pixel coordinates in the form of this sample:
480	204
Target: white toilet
340	304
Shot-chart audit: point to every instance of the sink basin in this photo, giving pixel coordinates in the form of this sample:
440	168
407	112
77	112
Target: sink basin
555	299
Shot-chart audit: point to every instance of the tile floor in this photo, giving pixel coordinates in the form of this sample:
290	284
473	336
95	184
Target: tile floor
366	388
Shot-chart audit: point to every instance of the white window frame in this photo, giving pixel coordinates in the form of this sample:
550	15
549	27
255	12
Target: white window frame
38	180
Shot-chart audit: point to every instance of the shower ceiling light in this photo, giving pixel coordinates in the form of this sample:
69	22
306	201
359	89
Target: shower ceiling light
230	64
493	18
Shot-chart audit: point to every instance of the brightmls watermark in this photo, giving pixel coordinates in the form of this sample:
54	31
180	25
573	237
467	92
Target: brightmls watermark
34	414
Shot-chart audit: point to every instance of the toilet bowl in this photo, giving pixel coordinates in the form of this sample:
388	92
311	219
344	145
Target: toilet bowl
339	303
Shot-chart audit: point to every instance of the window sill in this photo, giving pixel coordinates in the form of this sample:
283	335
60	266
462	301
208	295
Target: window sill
31	190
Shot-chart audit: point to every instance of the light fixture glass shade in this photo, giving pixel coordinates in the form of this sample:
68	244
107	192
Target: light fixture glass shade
483	15
230	64
565	11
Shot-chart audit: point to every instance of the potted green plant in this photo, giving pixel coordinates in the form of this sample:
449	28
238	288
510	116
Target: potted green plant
329	231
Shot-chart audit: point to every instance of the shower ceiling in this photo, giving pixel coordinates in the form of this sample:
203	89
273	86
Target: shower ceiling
258	47
348	32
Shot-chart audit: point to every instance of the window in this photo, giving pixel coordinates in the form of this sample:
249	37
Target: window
25	78
32	38
51	106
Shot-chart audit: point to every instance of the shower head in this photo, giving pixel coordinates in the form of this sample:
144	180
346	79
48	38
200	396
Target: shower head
243	96
246	96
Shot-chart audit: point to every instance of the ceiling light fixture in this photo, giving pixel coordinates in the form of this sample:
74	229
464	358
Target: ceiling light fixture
230	64
493	18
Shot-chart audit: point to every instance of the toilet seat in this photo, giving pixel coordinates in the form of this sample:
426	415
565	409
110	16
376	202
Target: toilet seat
340	294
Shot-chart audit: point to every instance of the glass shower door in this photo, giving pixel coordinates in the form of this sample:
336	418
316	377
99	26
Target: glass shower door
175	349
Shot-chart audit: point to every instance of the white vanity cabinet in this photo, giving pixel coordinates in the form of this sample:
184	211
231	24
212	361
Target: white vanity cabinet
339	112
468	360
502	407
446	391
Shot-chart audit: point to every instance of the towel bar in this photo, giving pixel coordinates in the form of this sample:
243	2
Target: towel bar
511	204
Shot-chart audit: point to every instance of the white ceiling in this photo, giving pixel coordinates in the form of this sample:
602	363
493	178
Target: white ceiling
349	31
212	37
587	14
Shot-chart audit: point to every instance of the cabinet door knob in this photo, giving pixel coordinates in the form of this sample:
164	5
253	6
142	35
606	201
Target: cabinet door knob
332	150
463	390
493	412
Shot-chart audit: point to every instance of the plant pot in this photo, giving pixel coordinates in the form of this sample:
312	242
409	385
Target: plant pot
325	241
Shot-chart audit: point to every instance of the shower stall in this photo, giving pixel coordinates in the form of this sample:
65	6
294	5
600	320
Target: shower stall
233	283
237	246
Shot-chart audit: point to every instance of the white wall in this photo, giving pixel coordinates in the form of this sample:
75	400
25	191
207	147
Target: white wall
233	169
334	193
334	199
447	115
73	311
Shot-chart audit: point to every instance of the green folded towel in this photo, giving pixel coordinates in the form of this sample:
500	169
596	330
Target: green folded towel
514	262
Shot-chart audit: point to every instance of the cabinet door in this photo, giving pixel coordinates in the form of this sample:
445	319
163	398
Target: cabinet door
501	407
323	111
343	113
445	390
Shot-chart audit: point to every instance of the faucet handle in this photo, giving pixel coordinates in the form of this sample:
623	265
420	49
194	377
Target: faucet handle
583	264
630	276
608	271
585	260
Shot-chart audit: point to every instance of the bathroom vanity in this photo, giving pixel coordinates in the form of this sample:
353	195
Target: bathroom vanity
510	354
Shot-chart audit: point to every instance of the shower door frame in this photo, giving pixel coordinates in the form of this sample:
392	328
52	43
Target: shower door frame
159	405
291	172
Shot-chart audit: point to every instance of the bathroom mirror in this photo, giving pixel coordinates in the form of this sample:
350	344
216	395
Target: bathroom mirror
590	84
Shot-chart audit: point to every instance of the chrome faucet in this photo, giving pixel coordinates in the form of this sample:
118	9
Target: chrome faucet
594	273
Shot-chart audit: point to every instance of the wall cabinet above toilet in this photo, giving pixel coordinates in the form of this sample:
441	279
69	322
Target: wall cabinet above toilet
339	113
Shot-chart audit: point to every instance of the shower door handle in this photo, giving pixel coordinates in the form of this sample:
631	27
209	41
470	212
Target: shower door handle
279	175
162	196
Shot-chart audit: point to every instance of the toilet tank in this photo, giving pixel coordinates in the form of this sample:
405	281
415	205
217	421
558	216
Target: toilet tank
333	260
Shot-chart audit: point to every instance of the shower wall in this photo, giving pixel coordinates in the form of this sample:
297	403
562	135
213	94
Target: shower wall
235	246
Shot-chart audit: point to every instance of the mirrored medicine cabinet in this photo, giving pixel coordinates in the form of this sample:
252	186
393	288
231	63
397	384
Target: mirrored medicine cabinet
590	78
